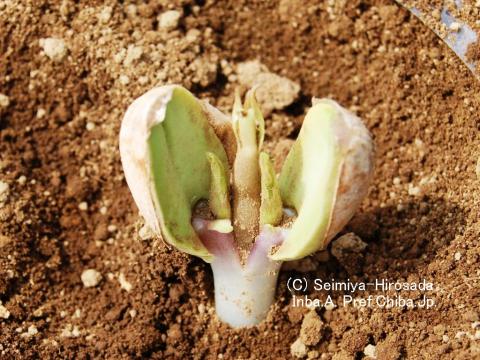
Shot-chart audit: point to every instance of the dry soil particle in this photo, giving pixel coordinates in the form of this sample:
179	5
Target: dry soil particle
59	120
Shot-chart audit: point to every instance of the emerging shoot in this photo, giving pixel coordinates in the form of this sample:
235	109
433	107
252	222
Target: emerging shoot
180	153
219	199
247	120
271	210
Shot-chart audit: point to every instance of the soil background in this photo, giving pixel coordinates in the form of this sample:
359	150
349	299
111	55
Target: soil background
65	206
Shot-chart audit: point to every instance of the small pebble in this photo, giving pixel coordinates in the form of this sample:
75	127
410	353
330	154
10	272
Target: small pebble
124	79
4	191
413	190
105	15
22	180
124	284
298	349
83	206
54	48
133	53
38	312
4	313
169	19
70	331
91	278
370	351
90	126
4	101
40	113
458	256
31	331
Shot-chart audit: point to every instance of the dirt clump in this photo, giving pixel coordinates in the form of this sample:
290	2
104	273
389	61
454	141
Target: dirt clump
311	331
272	91
348	250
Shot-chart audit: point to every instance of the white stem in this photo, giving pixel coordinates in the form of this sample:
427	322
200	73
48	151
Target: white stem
243	293
243	296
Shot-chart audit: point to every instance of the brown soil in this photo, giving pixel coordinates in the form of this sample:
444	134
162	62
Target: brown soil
67	207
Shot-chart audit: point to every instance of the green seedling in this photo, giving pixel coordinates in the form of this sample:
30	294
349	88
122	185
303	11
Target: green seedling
179	153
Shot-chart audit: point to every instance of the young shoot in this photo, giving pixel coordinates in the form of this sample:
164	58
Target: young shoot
179	152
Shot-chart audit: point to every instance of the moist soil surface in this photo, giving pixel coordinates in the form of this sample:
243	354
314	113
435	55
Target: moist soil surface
69	70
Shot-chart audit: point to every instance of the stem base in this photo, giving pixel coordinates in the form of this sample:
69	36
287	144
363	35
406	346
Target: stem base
243	297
